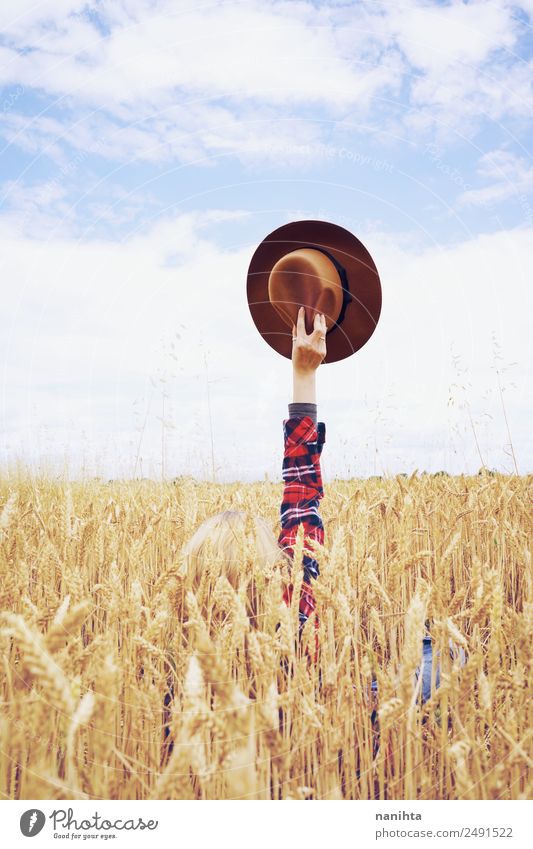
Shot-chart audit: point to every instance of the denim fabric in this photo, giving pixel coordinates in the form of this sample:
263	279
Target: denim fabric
426	667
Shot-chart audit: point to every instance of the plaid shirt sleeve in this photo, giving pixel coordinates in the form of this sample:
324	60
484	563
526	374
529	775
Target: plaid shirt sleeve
303	441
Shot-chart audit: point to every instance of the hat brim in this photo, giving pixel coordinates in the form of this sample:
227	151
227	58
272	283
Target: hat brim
362	313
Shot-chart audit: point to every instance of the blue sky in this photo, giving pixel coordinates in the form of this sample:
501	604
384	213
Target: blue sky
148	146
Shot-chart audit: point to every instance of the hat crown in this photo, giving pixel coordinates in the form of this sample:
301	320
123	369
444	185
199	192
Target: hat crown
305	277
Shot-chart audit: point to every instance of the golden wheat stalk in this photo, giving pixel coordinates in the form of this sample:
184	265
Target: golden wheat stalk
47	675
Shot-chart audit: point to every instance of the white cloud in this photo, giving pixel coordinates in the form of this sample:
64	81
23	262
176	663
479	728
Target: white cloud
509	175
23	19
466	65
458	101
437	37
524	6
197	135
248	51
164	80
87	324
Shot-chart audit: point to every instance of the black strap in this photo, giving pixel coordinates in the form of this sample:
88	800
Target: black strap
346	294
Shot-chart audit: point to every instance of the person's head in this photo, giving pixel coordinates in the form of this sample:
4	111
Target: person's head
232	544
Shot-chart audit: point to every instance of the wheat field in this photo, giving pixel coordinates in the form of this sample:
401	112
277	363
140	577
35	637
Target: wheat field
119	684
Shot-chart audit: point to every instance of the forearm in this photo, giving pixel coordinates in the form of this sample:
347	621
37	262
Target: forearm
303	386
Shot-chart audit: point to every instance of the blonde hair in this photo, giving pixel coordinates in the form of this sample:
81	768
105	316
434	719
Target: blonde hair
222	543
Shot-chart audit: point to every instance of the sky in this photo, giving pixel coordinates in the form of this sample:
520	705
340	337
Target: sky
147	147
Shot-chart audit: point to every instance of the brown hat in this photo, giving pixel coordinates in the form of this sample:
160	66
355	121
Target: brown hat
323	268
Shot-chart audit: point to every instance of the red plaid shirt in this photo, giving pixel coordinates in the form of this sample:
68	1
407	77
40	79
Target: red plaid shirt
301	495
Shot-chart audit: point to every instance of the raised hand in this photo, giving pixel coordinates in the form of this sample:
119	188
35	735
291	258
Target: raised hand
308	349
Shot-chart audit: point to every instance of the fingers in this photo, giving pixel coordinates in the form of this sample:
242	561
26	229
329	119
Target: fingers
320	322
319	326
301	322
